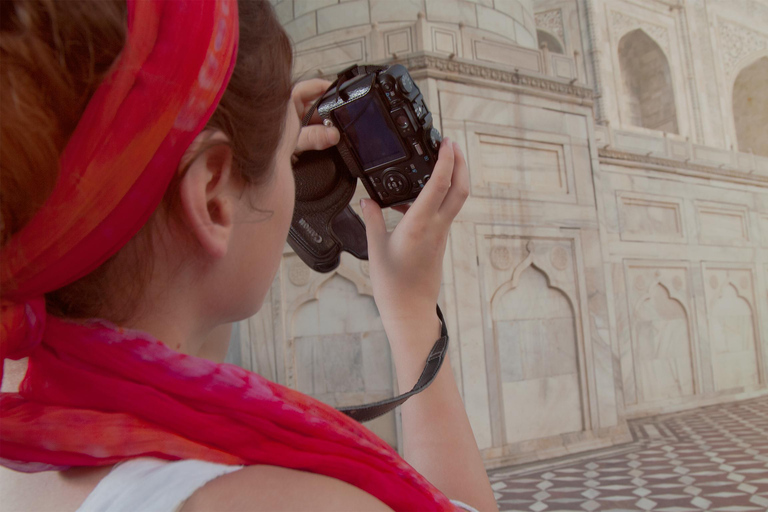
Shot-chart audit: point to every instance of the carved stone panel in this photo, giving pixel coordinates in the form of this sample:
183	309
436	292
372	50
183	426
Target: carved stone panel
511	163
535	335
722	224
737	42
763	222
661	330
732	327
649	218
340	350
535	331
551	20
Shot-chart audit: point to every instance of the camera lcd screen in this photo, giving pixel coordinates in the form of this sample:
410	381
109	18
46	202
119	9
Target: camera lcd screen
369	133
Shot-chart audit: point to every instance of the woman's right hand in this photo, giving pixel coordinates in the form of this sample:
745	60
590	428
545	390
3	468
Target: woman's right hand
406	264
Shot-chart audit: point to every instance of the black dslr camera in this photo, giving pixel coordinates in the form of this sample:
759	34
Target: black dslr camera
387	140
388	129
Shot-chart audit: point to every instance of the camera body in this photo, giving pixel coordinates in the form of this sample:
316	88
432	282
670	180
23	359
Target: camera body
387	137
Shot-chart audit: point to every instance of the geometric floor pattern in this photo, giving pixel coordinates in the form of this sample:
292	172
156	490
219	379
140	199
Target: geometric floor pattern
714	458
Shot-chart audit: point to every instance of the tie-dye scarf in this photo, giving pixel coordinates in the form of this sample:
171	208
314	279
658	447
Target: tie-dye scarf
95	394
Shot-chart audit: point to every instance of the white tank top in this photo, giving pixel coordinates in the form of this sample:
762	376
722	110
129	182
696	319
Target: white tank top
154	485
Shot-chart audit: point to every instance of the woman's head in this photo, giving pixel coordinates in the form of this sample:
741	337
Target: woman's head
54	55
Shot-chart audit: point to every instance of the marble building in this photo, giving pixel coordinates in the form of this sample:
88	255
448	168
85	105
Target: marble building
611	261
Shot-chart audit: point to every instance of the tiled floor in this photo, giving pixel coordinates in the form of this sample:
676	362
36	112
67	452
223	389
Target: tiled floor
715	458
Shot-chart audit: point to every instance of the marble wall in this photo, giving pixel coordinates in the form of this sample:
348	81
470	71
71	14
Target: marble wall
604	266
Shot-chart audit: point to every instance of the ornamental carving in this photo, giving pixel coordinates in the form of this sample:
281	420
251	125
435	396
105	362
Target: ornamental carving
487	73
737	42
551	21
559	258
501	259
621	24
298	273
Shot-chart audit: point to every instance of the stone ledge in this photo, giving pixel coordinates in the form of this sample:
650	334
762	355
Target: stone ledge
430	62
611	156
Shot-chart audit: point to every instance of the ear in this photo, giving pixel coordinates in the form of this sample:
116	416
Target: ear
207	193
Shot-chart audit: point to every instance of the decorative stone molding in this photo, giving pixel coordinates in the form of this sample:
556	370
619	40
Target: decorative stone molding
428	62
737	42
551	21
621	24
679	167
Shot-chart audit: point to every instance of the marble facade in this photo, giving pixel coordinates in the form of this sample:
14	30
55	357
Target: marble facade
611	261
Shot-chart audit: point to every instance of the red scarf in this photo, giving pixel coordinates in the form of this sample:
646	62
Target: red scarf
95	394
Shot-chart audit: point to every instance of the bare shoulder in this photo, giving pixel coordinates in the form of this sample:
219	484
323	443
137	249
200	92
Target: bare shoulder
271	488
47	491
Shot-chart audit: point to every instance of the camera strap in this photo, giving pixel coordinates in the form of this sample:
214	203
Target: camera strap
324	224
435	360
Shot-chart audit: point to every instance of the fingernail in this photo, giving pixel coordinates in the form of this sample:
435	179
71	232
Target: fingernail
446	140
363	203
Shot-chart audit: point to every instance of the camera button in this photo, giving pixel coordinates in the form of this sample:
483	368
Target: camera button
395	183
418	149
376	180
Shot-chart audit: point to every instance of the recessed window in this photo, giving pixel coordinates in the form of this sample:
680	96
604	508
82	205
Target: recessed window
750	107
648	97
553	43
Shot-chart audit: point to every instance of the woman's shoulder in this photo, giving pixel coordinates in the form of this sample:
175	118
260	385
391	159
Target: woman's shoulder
49	490
186	486
272	488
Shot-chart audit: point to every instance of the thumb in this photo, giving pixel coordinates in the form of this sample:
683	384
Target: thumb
374	220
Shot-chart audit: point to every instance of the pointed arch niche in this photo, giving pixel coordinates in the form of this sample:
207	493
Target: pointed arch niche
733	343
341	351
648	99
535	329
662	347
750	107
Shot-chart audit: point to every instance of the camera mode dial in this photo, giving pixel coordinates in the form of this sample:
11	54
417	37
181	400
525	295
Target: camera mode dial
435	139
406	84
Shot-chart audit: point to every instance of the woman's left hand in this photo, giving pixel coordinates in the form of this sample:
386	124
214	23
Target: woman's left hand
315	136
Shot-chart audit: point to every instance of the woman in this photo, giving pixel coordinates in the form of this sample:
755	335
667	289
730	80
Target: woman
147	183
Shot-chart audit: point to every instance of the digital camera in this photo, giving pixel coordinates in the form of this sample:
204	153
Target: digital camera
387	141
387	137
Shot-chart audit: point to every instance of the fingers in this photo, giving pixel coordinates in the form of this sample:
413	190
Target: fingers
316	137
305	93
431	198
375	228
402	208
459	190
